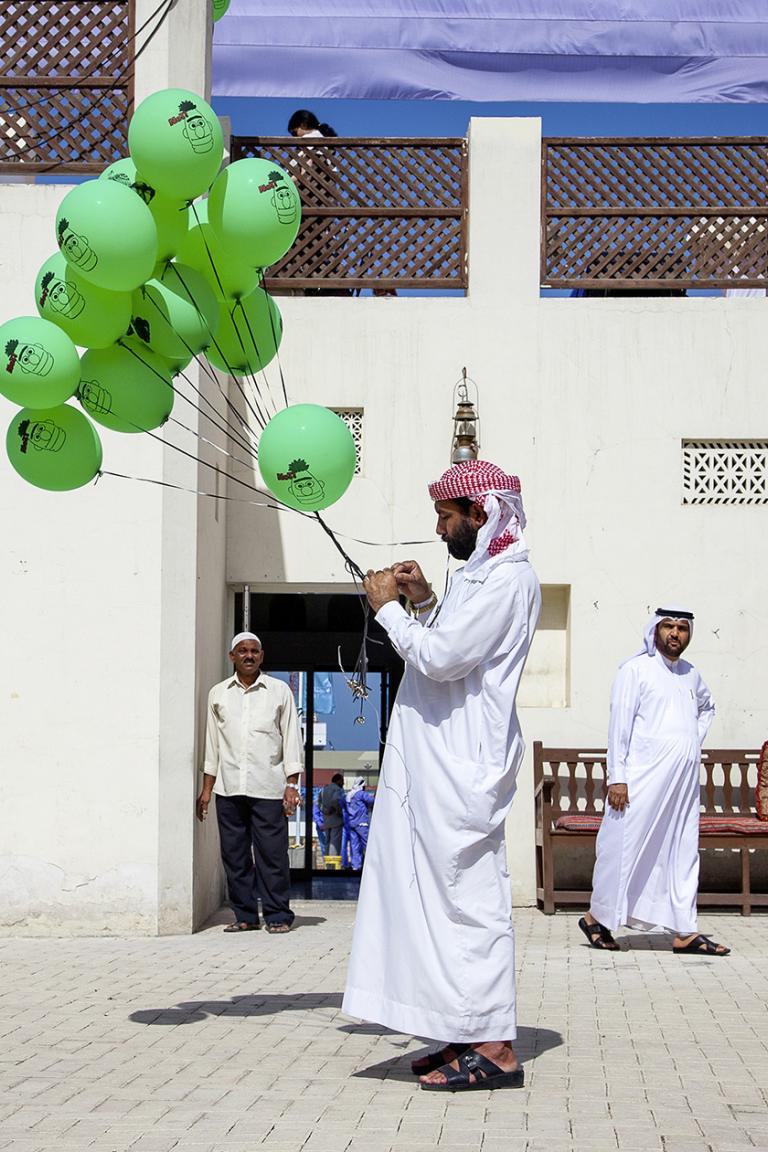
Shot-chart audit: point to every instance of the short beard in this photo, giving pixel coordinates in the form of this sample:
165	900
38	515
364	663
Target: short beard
462	544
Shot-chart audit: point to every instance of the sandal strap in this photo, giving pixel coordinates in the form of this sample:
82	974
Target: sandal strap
475	1064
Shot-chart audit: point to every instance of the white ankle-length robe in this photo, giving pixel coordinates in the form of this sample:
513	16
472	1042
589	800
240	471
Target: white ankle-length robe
647	867
433	950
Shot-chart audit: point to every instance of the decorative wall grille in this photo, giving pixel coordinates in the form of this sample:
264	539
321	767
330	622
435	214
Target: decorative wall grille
353	418
725	471
383	214
654	214
66	85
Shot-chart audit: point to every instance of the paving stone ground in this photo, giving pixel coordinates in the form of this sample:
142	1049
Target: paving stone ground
236	1043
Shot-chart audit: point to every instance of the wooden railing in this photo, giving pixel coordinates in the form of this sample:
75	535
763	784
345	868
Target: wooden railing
381	214
626	214
66	85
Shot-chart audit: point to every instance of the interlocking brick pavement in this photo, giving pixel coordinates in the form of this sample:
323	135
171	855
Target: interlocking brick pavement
217	1043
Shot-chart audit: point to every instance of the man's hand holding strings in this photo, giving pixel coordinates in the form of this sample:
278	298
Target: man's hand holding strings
618	797
411	581
380	587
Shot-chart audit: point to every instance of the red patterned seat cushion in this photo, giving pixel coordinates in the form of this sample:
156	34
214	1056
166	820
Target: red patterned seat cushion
737	825
578	822
740	825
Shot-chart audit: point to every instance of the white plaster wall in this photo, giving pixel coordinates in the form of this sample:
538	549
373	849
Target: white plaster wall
79	616
103	590
588	401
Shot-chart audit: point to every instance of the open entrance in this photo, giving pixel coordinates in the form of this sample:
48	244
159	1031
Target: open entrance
308	639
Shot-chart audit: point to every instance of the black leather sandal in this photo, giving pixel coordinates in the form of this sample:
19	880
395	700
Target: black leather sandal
487	1076
700	946
598	936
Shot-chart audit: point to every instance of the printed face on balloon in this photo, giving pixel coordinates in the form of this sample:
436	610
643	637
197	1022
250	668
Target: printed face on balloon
304	487
42	435
61	297
197	129
31	358
76	247
94	397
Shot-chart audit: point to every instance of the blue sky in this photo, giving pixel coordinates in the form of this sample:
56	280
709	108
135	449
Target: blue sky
268	117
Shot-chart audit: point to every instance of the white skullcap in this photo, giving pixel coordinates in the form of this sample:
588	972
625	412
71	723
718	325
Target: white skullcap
243	636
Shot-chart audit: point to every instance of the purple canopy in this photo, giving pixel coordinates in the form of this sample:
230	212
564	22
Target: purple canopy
624	51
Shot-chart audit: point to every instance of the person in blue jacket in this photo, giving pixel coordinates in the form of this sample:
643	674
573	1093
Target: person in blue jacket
359	806
319	822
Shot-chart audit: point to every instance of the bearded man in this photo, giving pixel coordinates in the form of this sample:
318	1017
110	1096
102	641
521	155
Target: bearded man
433	950
647	867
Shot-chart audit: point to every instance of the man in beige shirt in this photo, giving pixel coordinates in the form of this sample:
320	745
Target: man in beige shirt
252	764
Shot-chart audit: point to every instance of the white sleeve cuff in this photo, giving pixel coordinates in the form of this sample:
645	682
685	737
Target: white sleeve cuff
389	614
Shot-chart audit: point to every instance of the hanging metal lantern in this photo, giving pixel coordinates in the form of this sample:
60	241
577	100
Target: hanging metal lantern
465	423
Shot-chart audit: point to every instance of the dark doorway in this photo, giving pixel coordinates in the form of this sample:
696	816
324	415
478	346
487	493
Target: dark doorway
308	639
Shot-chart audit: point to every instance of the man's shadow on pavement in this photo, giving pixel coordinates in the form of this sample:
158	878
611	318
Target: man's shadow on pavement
530	1042
195	1011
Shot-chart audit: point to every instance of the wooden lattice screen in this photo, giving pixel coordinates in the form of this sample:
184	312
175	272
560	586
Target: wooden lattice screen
669	213
384	214
65	84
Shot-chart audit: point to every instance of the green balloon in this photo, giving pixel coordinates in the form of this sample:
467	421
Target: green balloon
91	316
39	366
307	457
127	389
54	448
248	334
219	7
107	234
255	208
176	142
223	268
176	315
170	216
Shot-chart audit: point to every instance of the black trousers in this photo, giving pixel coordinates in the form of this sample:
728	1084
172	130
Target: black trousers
254	851
333	840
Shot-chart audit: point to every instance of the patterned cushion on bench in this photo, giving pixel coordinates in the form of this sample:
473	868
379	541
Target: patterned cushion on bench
735	825
578	822
761	792
738	825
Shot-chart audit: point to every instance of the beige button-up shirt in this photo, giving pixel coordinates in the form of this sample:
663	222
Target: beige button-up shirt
252	738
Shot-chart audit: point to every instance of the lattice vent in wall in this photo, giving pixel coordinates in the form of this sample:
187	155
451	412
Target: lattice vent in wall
725	471
353	418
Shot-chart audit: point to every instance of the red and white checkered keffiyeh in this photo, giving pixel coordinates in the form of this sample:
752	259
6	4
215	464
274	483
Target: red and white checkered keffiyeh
499	494
472	478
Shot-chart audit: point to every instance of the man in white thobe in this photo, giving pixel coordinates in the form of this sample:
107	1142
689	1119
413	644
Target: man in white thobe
647	868
433	949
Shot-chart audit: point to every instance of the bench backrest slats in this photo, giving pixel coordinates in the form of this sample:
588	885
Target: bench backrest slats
579	779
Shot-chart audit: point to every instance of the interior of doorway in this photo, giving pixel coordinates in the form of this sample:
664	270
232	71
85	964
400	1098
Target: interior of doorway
309	639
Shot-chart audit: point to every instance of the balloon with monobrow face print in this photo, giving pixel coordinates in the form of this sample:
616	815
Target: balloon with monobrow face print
176	142
106	232
54	448
307	457
91	316
255	207
39	366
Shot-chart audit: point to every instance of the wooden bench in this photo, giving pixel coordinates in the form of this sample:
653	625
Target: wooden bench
569	795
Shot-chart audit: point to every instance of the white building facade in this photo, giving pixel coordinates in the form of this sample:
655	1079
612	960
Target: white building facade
118	598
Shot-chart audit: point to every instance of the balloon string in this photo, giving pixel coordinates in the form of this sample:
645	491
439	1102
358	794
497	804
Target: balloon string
238	301
239	304
226	427
263	417
262	504
274	338
210	443
206	367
